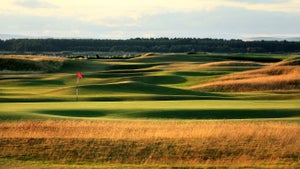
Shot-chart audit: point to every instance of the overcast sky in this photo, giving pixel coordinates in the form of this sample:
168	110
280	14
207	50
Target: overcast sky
123	19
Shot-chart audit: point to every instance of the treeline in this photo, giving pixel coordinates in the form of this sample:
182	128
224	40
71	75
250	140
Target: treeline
148	45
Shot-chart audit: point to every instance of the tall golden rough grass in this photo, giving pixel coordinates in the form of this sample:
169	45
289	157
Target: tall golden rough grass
30	63
33	57
232	63
266	79
137	130
293	60
152	142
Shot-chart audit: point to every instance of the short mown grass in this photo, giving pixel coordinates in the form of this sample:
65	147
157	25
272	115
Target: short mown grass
201	109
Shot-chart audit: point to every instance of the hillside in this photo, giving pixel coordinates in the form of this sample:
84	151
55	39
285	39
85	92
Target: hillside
149	77
281	76
30	63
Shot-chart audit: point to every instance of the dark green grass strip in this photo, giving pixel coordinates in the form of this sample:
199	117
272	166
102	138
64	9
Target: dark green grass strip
33	99
250	57
143	88
216	114
76	113
160	79
5	99
179	114
35	82
132	66
73	66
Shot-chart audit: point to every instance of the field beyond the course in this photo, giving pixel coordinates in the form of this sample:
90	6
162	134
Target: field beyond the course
154	110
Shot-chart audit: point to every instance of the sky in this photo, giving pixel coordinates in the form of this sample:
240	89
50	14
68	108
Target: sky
124	19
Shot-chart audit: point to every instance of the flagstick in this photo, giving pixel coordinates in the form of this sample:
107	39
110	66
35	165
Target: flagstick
77	88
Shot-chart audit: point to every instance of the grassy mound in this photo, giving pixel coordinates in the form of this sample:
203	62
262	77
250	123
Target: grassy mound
266	79
232	63
169	58
73	66
264	58
129	87
291	61
131	66
151	76
13	64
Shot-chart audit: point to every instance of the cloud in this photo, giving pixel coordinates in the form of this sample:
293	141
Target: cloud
260	1
34	4
226	22
157	18
100	11
49	26
222	22
287	6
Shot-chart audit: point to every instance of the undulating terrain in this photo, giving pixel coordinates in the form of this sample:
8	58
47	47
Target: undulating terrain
155	110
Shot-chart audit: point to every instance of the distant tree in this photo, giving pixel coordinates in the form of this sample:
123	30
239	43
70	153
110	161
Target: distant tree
147	45
2	43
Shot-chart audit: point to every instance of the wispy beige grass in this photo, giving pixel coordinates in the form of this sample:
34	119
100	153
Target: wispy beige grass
153	142
136	130
33	57
266	79
232	63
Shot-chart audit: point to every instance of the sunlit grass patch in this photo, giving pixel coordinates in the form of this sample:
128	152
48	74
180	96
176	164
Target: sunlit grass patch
180	143
265	79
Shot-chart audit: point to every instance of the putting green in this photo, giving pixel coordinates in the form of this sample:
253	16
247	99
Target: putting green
199	109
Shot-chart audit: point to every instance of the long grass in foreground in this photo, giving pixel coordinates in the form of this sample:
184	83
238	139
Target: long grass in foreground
144	129
152	142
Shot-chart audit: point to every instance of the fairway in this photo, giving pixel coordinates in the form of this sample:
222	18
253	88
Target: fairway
199	109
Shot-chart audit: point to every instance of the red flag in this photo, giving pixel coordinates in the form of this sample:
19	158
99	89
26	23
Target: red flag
79	75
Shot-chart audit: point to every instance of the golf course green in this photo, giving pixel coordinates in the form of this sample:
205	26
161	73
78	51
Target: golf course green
229	110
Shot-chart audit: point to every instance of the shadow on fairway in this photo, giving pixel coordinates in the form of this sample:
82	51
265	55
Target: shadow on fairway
178	114
159	79
202	73
215	114
37	82
74	113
